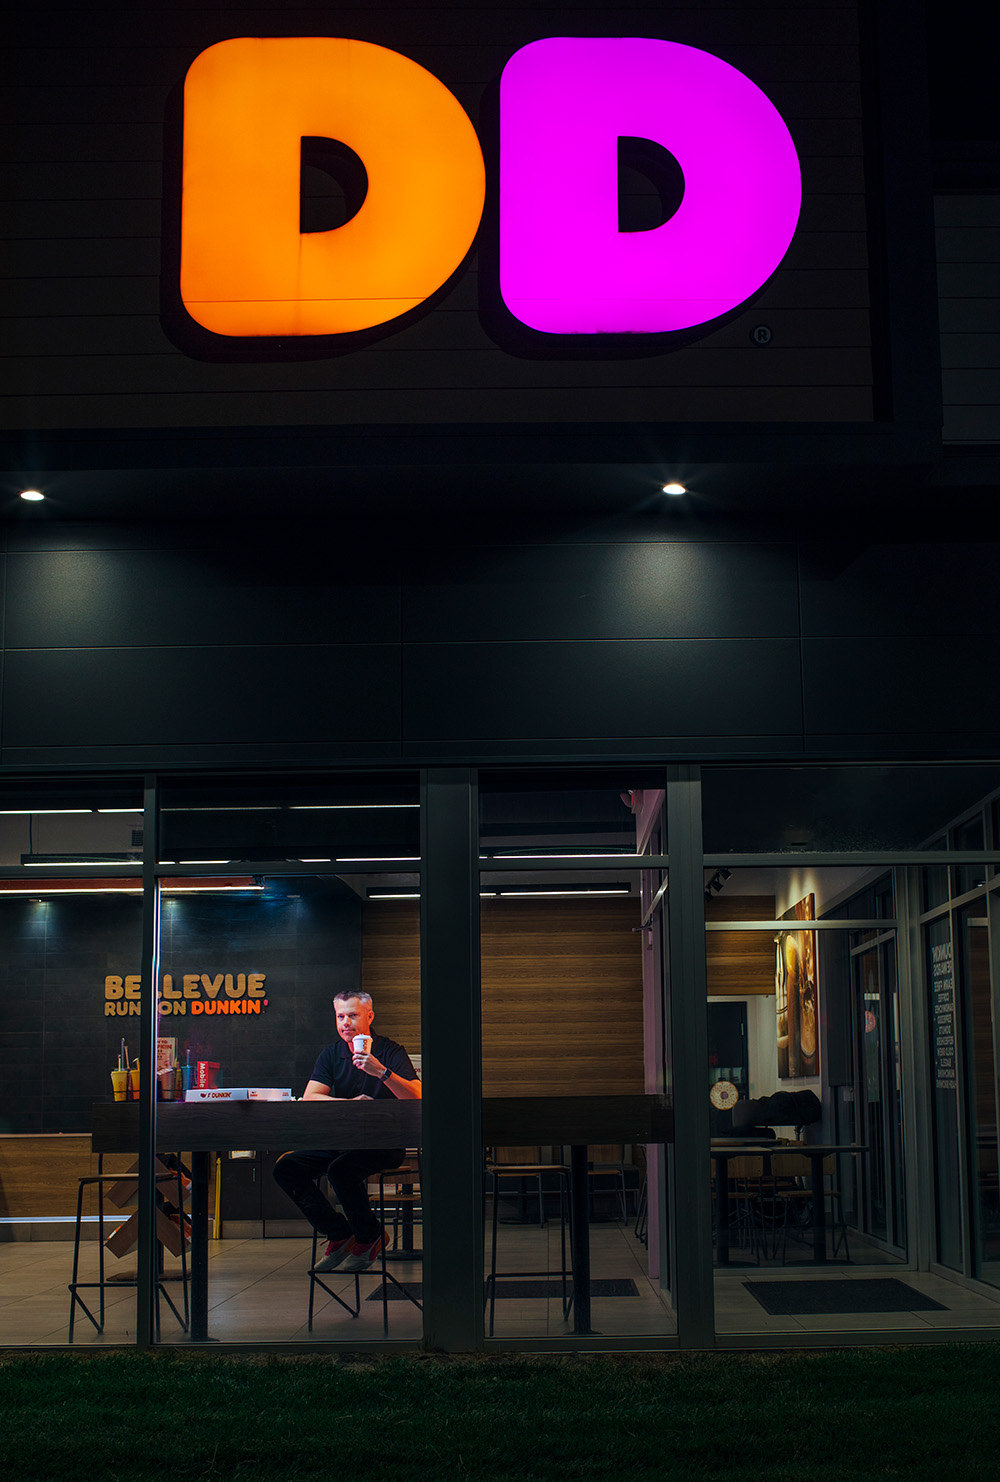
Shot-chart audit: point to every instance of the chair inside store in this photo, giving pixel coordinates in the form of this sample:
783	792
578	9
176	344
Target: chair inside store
791	1174
507	1165
173	1235
399	1192
606	1176
746	1204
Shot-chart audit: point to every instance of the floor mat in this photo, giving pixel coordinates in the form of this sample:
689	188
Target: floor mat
511	1287
882	1294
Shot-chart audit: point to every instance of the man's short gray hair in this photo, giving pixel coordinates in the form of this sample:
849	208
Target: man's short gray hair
349	993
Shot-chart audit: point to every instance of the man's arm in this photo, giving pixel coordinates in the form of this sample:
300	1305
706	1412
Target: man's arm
316	1091
402	1089
405	1090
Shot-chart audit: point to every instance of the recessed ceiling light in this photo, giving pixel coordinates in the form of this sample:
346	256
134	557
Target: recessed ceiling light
32	495
674	488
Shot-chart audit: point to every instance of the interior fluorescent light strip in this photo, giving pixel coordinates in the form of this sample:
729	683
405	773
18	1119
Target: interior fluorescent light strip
67	864
374	859
619	890
82	889
564	854
52	1219
493	894
343	807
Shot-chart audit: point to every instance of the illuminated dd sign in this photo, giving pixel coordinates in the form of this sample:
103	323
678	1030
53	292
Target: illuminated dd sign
566	268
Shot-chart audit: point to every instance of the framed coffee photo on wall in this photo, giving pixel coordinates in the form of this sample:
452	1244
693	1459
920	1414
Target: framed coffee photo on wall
795	995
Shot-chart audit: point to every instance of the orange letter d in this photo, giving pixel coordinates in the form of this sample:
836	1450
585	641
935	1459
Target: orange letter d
246	269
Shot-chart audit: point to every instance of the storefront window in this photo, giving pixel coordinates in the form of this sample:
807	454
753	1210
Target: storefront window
573	1057
70	957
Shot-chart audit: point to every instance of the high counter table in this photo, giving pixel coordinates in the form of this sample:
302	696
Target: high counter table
201	1129
816	1152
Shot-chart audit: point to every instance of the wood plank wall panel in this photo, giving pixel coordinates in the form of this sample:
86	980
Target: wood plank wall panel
562	998
390	968
39	1177
739	962
81	250
561	992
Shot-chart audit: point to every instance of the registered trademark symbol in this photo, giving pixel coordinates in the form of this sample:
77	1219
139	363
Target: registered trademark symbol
761	334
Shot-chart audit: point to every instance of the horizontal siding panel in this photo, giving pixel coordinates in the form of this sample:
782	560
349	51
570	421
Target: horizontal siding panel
874	686
369	370
796	100
275	409
202	597
967	211
808	328
691	589
972	387
72	295
969	279
170	696
46	143
133	217
884	590
970	351
109	179
121	104
971	424
969	316
611	689
444	329
113	100
968	244
844	212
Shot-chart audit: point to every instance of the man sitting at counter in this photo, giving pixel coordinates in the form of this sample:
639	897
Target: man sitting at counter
345	1073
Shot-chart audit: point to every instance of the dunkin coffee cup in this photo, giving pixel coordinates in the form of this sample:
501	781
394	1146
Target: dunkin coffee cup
119	1084
362	1044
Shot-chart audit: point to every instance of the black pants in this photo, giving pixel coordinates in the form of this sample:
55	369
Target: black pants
297	1174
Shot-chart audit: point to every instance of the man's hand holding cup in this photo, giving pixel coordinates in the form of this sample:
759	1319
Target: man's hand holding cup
363	1057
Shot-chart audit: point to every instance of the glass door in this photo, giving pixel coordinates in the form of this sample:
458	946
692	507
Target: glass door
980	1054
877	1092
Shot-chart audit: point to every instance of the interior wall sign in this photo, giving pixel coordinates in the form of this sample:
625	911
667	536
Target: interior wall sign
565	267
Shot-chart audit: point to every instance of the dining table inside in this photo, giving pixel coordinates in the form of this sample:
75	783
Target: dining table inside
723	1153
199	1130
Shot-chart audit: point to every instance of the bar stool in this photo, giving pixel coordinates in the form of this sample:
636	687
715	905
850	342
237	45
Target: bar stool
316	1278
405	1198
405	1193
796	1194
498	1171
173	1237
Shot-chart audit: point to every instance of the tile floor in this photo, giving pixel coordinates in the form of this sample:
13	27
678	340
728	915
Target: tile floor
258	1292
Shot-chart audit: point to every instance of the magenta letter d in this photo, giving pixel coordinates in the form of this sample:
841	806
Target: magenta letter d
565	268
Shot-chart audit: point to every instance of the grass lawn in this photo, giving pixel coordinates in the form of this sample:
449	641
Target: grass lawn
928	1412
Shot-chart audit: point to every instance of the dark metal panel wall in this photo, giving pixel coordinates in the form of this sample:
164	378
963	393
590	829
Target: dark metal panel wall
130	656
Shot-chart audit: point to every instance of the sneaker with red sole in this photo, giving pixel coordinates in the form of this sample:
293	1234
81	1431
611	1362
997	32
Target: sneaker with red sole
335	1255
363	1257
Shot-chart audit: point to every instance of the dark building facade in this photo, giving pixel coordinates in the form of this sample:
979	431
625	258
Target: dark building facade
429	561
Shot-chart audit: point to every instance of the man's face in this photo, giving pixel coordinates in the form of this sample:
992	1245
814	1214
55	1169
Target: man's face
353	1017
